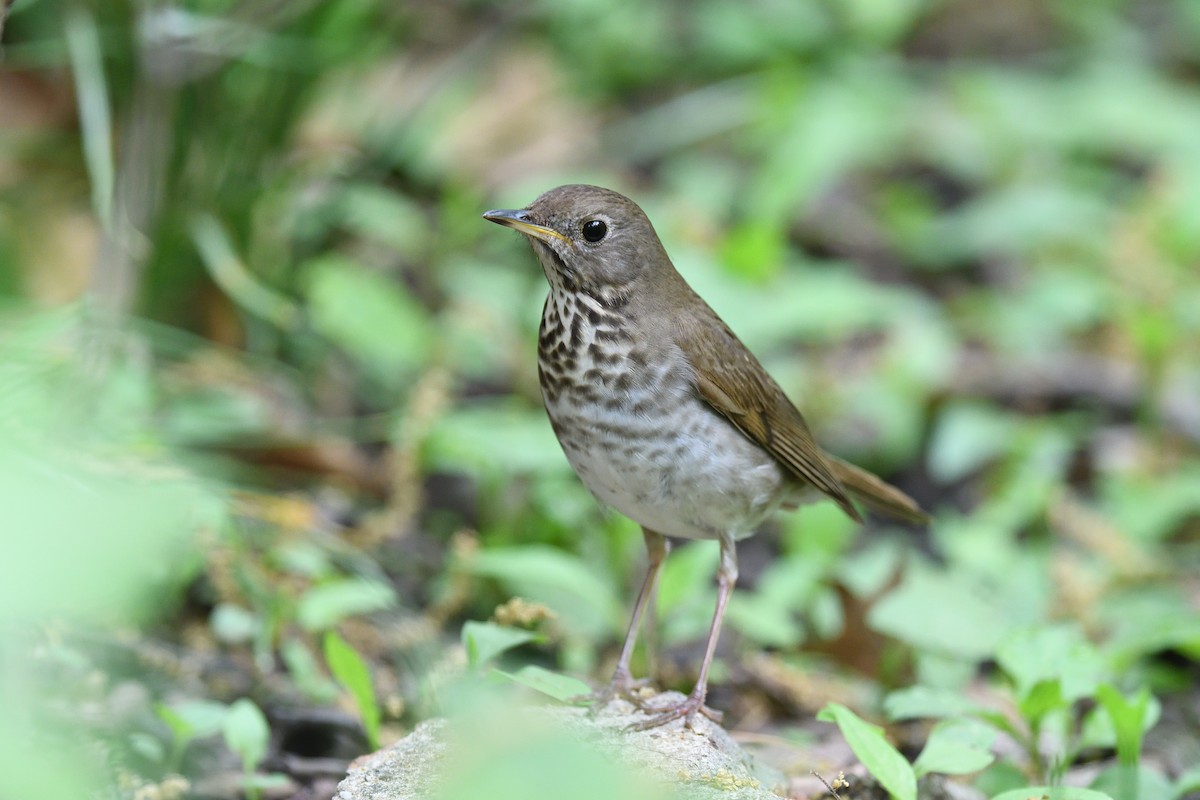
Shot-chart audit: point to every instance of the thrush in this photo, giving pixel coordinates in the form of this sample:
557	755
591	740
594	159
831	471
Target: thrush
661	410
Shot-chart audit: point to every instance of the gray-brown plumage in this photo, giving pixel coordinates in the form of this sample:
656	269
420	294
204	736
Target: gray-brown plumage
659	407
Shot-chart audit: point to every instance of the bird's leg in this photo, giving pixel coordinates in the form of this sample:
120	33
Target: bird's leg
622	683
694	704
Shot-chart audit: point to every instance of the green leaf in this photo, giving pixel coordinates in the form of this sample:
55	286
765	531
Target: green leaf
1051	652
1000	777
349	670
246	733
554	684
1021	216
483	641
1129	717
1045	697
754	250
391	218
966	437
1052	793
922	701
791	581
372	317
126	522
308	559
956	747
194	718
942	672
1189	781
1001	722
837	127
260	783
233	624
95	117
148	747
822	305
764	620
869	570
233	276
1149	507
686	575
873	750
562	581
822	532
211	415
1146	620
303	668
495	439
941	611
826	614
325	605
1133	782
1099	731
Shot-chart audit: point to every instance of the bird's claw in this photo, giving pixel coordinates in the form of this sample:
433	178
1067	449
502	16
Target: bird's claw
622	686
688	710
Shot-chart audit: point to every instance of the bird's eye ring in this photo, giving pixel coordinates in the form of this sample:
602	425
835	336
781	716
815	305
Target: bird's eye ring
594	230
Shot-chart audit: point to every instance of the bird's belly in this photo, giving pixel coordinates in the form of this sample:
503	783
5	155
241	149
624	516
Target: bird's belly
675	467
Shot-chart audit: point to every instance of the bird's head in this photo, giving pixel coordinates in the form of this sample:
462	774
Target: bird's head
587	238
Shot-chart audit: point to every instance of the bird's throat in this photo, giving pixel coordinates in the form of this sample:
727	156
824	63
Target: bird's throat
560	275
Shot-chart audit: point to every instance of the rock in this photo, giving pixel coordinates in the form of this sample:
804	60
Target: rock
704	763
407	770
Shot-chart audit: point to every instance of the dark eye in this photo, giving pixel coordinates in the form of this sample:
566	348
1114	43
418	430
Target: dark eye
594	230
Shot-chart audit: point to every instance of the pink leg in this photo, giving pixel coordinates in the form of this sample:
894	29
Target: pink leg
622	682
694	704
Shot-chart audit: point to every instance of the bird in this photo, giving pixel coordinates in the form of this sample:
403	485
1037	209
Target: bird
662	411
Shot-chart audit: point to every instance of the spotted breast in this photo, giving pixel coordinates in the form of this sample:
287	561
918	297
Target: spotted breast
626	415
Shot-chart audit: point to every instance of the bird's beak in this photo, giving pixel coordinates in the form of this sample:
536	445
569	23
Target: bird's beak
519	221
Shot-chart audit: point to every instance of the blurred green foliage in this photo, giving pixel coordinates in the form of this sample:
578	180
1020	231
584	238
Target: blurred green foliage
265	375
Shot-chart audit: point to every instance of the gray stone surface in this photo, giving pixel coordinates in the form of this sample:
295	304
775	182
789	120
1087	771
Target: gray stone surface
408	770
704	763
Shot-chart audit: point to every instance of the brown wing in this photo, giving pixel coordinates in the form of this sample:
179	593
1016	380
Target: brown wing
730	379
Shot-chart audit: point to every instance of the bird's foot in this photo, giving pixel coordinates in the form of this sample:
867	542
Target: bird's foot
688	710
622	686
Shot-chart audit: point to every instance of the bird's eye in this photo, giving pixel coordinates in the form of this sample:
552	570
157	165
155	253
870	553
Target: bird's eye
594	230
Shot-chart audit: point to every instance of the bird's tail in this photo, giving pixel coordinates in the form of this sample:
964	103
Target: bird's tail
875	493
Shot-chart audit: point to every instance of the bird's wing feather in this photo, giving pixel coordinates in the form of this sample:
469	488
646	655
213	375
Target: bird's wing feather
732	382
877	493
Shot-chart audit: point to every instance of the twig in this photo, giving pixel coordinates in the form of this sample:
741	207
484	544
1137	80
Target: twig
839	781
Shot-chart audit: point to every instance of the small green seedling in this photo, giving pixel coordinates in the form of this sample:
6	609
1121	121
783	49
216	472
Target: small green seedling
350	671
